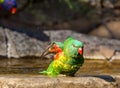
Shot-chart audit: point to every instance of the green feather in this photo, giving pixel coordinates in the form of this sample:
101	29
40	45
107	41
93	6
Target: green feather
69	61
51	71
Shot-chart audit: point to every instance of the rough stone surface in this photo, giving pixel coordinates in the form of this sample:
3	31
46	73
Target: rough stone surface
3	45
110	30
117	78
116	56
60	82
27	42
11	48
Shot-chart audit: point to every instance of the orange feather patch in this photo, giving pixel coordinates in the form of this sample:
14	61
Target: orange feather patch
56	57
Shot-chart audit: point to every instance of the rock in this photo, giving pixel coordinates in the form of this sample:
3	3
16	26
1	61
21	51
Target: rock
111	30
3	43
117	78
107	52
116	56
11	48
59	82
27	42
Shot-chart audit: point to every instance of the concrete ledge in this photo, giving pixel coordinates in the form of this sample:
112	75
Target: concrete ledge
38	81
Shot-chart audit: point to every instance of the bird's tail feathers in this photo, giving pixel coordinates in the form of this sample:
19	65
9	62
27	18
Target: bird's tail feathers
43	72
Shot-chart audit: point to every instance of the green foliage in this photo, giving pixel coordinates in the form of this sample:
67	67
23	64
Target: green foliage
74	5
70	3
81	5
67	9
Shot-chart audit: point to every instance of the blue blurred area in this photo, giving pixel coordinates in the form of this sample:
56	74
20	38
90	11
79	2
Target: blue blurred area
9	4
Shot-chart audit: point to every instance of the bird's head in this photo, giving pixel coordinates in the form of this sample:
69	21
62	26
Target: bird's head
57	47
10	6
75	49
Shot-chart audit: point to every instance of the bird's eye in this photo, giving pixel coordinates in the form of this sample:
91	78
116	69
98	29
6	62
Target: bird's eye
74	46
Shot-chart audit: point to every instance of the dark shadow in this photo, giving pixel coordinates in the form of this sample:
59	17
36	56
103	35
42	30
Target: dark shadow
3	57
107	78
33	33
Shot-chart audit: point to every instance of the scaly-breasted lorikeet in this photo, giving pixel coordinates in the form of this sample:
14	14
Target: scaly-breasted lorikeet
68	58
8	5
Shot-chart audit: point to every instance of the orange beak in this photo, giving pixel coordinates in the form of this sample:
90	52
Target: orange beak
80	51
13	10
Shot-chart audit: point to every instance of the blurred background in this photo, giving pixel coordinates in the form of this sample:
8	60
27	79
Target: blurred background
95	17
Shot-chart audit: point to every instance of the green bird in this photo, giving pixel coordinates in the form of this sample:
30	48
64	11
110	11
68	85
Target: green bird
68	58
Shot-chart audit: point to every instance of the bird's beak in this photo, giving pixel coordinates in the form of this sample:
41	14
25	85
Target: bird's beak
55	49
51	50
13	10
46	51
80	51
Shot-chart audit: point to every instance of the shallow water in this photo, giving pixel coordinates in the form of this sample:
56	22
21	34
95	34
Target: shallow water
100	67
34	65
